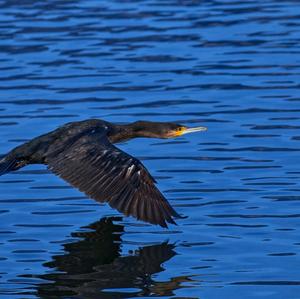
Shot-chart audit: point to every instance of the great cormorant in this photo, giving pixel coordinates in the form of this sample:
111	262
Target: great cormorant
83	154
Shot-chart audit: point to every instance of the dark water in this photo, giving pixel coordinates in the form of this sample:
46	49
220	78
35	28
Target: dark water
233	66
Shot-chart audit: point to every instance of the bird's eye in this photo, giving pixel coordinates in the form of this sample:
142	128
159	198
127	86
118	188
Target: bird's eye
179	129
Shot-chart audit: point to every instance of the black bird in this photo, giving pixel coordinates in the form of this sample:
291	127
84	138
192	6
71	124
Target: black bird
83	154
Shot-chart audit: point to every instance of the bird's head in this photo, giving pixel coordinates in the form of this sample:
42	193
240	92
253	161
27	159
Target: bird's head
162	129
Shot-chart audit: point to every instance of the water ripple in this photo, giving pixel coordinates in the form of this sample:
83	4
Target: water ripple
232	66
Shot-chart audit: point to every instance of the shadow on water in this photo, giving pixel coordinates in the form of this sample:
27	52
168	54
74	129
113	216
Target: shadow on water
93	265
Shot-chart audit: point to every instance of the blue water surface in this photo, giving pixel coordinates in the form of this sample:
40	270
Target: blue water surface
233	66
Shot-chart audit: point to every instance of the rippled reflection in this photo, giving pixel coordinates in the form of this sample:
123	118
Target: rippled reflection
93	264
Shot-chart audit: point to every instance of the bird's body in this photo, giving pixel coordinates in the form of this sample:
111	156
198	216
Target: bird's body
83	154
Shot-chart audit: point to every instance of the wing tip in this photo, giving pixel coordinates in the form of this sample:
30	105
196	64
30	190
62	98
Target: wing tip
164	222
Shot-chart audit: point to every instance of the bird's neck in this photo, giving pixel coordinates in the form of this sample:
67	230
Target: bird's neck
120	133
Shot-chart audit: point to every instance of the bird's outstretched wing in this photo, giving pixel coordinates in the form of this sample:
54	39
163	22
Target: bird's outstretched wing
107	174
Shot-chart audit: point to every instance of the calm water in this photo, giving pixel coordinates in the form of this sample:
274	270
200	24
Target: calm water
233	66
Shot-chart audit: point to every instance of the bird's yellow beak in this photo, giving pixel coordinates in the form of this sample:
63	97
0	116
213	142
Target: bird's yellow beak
184	130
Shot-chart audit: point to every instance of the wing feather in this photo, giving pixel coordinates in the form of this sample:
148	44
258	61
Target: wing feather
107	174
6	165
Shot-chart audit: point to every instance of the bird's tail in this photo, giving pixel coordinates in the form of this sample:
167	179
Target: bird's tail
7	164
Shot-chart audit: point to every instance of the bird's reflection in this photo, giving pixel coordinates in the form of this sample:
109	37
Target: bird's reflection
93	264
